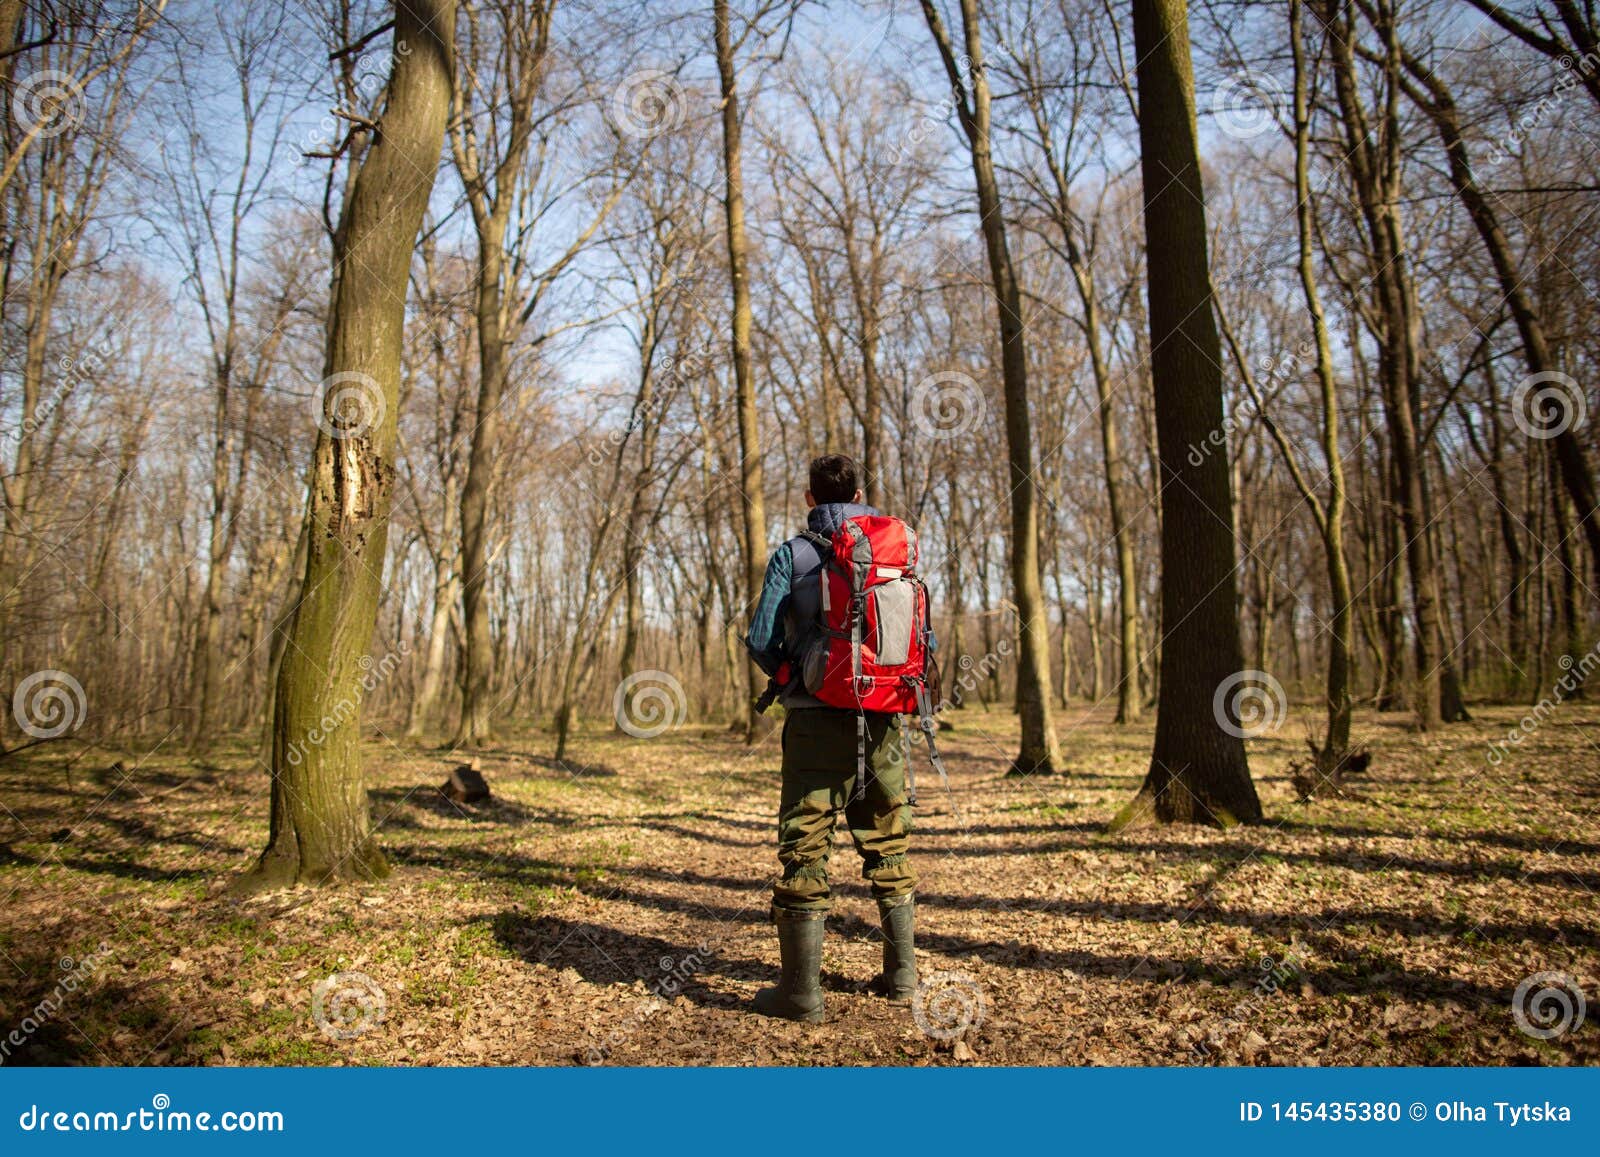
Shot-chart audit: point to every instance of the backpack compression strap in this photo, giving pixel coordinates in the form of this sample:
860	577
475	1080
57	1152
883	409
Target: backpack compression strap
911	775
859	791
925	716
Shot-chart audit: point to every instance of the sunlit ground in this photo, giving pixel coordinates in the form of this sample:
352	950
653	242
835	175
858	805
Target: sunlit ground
612	910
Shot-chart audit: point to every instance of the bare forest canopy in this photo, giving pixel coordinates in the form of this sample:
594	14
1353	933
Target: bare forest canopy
426	367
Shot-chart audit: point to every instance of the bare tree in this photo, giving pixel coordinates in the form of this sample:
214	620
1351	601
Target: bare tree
320	829
727	42
1198	770
1075	240
969	87
217	191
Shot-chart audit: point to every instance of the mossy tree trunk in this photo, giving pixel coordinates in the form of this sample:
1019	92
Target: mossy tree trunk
320	830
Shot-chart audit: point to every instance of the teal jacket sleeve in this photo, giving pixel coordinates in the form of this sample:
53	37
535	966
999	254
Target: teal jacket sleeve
764	640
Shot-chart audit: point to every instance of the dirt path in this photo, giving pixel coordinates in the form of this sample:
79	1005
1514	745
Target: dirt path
617	915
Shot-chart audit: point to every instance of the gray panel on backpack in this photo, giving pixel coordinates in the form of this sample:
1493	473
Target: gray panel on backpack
896	608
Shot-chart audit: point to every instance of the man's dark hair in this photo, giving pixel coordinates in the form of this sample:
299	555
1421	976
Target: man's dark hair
834	478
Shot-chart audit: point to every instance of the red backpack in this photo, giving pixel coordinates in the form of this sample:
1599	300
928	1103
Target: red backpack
872	648
872	652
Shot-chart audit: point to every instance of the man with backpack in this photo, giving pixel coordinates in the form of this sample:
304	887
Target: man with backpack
842	629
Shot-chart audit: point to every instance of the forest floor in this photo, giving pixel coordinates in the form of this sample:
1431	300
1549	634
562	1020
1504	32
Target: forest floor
613	910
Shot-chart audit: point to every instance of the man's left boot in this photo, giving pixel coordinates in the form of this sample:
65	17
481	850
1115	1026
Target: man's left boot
898	980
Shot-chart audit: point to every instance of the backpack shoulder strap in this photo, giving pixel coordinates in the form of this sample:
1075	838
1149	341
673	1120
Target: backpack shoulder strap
810	552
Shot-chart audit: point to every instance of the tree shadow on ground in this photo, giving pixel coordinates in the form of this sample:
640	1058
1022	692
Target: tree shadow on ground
1400	922
141	831
549	940
130	870
486	864
1354	860
1088	827
395	807
1510	840
60	1007
523	760
768	826
672	829
604	955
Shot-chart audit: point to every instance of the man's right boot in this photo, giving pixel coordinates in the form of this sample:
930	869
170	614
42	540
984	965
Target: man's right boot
898	980
798	995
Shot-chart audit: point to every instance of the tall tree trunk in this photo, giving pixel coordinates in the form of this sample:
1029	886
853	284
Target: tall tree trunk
1452	701
1373	163
1330	518
751	483
1567	566
1097	688
864	288
425	703
1040	750
1122	534
955	542
320	829
1065	642
476	726
1516	601
1391	590
636	532
492	184
1199	772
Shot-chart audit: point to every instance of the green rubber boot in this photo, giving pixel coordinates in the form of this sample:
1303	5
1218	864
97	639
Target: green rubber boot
798	995
898	980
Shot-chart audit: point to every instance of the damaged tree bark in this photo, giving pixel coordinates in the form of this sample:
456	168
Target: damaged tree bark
320	830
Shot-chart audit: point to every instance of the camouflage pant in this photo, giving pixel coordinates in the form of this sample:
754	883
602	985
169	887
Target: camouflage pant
819	768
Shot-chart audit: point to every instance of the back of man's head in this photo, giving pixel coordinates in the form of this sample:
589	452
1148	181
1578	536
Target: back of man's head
834	478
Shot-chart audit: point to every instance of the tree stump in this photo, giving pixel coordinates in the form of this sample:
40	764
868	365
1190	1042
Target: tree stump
466	784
